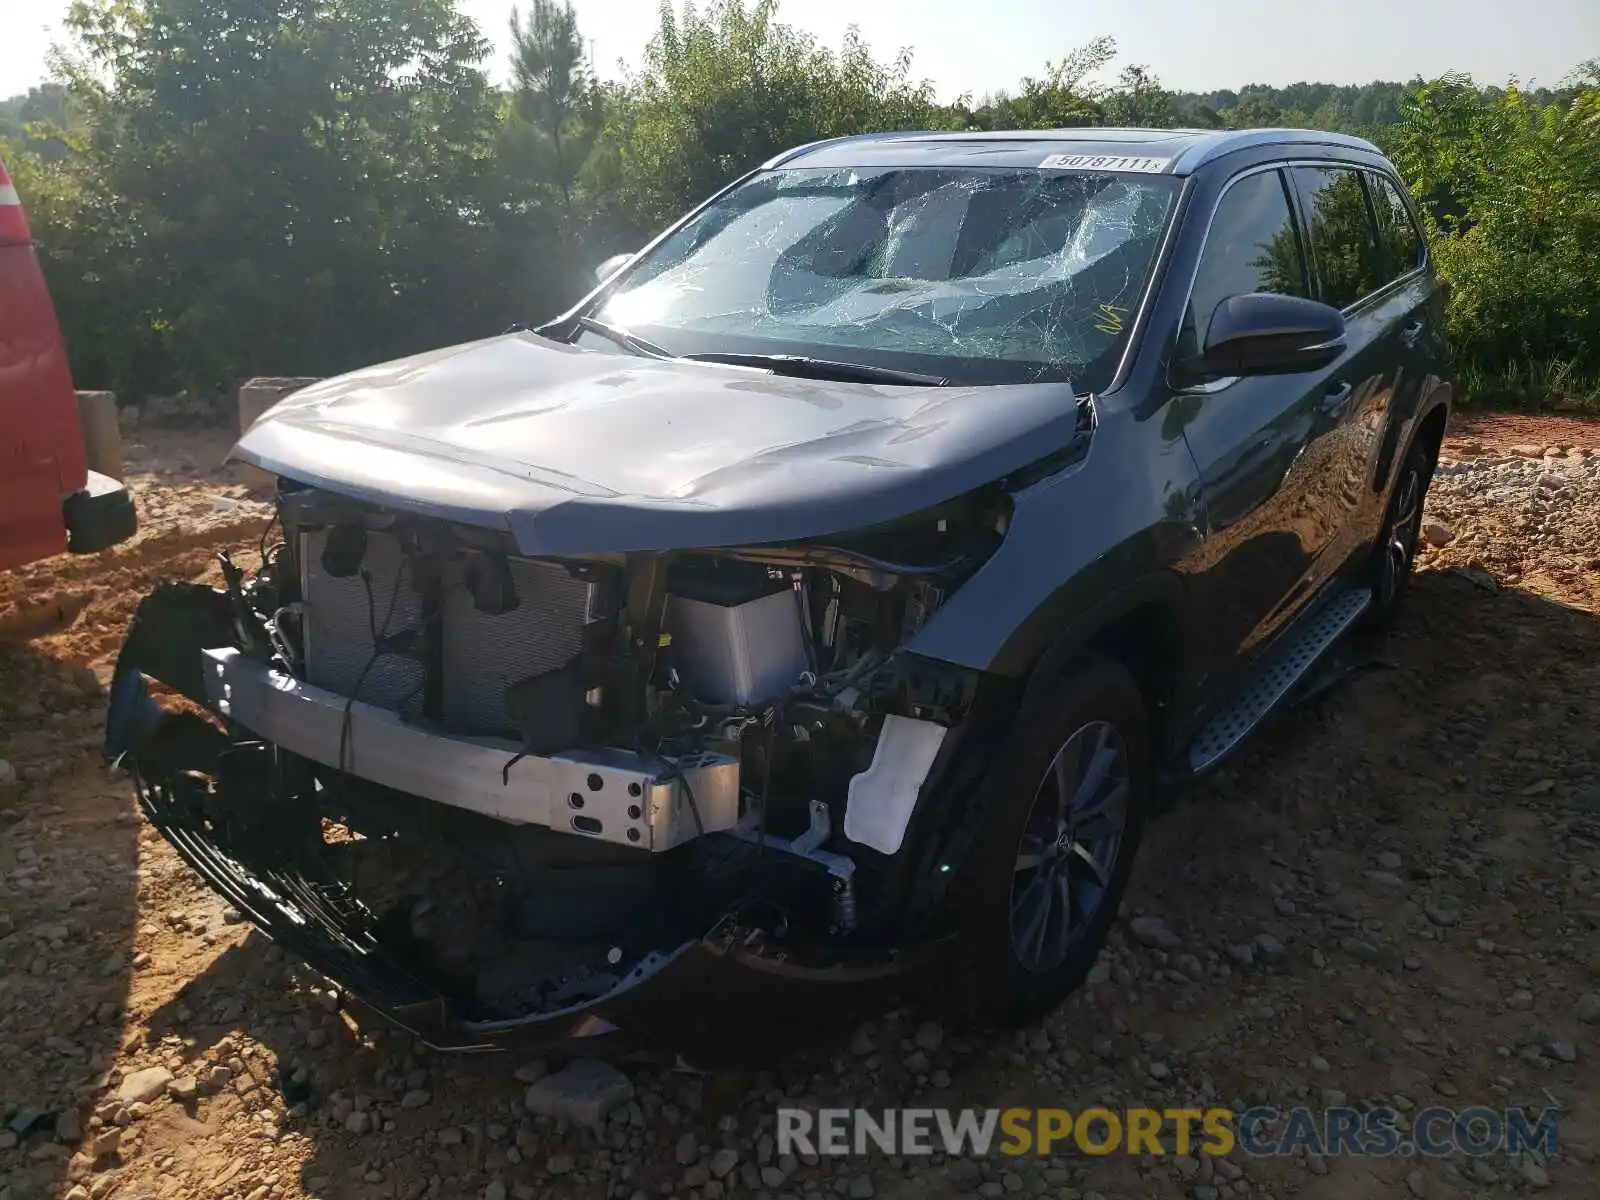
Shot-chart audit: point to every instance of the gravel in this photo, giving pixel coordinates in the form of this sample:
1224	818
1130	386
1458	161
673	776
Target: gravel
144	1085
1308	964
583	1092
1153	931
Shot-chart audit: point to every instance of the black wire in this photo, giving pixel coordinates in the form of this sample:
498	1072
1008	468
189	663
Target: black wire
694	808
677	774
774	713
280	641
377	652
261	549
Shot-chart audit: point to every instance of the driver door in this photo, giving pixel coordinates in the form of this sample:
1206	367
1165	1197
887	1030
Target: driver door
1262	445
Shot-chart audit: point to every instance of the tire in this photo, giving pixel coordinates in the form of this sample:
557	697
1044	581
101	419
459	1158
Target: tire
1015	953
1395	553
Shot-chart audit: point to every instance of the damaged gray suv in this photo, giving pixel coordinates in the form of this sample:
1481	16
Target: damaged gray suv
816	612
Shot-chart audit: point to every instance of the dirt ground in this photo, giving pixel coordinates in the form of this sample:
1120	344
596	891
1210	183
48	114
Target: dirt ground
1392	898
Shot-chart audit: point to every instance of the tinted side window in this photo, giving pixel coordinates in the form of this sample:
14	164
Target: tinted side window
1397	232
1343	241
1253	246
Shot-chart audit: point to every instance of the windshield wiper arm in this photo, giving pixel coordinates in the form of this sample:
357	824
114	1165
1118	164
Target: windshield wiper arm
805	367
622	337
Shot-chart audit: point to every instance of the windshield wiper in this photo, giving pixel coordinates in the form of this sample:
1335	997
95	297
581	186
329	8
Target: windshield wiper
805	367
622	337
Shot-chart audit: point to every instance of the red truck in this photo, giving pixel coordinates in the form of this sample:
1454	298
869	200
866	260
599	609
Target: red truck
49	500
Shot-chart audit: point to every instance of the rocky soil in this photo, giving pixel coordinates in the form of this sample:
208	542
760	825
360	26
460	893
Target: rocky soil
1394	898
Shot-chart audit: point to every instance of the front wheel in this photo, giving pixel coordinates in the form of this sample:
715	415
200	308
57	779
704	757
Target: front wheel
1066	804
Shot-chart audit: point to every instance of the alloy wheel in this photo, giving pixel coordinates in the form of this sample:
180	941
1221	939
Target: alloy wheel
1400	539
1069	847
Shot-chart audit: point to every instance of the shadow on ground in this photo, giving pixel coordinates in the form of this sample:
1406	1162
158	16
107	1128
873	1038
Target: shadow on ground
69	853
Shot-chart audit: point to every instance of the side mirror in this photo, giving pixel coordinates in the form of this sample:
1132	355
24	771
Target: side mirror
611	266
1262	333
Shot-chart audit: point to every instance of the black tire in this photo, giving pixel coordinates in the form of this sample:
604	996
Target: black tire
999	896
1395	553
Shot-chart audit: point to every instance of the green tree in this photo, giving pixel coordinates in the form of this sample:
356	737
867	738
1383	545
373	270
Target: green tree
92	254
721	91
1251	113
302	176
40	121
554	93
1063	97
1140	100
1510	188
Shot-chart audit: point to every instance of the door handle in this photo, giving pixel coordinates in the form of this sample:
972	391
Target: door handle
1412	333
1336	398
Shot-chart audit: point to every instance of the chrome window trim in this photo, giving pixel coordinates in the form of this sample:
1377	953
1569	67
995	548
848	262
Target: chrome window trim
1422	238
1389	285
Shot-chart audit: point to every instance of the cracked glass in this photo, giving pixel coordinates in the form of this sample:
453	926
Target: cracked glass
974	275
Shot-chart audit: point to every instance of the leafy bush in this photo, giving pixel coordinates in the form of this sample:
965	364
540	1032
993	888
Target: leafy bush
1510	188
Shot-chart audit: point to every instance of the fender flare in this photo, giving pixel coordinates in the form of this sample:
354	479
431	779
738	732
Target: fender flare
1063	640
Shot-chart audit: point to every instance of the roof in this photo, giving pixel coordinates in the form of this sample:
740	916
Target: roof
1147	151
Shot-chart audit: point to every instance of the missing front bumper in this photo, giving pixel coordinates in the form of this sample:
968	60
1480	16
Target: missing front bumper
211	794
707	998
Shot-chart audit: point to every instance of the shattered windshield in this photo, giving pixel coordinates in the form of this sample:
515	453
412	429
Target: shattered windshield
976	275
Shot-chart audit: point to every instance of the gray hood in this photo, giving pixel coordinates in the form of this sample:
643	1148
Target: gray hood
581	451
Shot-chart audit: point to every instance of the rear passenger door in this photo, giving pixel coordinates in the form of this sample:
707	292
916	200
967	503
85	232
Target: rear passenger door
1350	273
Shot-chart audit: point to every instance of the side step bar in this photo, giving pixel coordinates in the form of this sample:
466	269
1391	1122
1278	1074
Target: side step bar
1275	676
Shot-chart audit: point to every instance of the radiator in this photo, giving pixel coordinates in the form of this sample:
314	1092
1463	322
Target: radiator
479	654
339	625
483	654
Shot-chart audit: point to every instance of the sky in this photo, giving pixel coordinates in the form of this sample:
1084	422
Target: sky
976	47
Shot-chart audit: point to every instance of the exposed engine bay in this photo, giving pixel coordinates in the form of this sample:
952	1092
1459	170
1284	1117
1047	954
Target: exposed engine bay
487	790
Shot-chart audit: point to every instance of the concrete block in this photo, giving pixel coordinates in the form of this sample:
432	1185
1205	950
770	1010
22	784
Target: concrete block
258	395
255	397
102	434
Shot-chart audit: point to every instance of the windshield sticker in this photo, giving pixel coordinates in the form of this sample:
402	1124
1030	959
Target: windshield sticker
1104	162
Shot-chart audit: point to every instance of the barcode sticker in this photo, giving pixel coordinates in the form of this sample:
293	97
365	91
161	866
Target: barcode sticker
1104	162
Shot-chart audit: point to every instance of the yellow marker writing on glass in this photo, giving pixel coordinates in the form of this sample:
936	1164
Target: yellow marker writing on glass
1110	319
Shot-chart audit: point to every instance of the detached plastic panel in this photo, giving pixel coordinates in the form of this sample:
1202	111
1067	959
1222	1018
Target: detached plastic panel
882	797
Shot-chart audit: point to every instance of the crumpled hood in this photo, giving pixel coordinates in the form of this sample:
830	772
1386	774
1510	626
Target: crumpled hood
581	451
